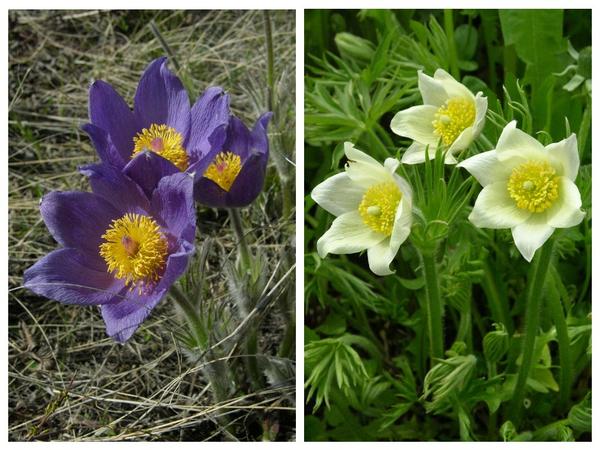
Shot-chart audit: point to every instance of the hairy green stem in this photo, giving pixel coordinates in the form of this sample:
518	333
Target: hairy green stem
236	224
537	277
584	128
449	28
564	345
191	315
270	63
434	306
498	305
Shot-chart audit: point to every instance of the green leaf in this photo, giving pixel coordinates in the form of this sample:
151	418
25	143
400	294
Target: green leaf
580	415
538	40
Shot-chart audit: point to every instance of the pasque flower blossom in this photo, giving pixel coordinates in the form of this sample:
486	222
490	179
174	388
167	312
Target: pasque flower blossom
236	171
227	160
450	116
527	187
373	206
121	249
161	121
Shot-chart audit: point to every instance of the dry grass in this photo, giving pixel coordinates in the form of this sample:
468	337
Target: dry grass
67	380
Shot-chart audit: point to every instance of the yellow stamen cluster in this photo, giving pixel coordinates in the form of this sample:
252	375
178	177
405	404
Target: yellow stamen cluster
452	118
165	141
134	249
378	207
224	169
533	186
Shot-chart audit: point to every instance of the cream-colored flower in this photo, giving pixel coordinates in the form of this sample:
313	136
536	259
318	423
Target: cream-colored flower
527	187
373	206
450	115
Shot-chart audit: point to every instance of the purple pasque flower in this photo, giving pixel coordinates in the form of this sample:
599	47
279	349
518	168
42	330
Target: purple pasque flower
121	249
233	175
161	121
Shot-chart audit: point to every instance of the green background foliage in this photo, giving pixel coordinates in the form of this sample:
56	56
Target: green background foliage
367	374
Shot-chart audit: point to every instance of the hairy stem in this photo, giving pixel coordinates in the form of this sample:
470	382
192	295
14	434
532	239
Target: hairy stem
537	277
584	128
498	304
564	345
236	224
434	306
191	315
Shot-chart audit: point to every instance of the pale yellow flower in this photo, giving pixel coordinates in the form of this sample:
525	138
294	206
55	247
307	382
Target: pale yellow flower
450	115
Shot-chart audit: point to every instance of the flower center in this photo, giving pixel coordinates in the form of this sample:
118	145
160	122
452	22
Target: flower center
533	186
134	249
224	169
165	141
378	207
452	118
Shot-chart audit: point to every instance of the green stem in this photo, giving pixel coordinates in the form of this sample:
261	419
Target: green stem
191	315
270	64
584	128
564	345
236	224
493	417
449	27
537	277
497	304
434	306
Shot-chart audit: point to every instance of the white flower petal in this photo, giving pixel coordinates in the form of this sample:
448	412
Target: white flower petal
531	235
432	90
354	154
565	155
348	234
402	224
404	188
486	168
495	209
362	169
338	194
391	164
481	105
416	123
463	141
565	212
515	146
415	154
380	257
452	87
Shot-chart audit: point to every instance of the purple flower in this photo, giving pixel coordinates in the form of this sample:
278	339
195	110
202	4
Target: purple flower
161	121
234	173
121	249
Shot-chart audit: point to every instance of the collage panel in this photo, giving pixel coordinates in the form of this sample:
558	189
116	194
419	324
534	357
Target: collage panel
447	225
151	239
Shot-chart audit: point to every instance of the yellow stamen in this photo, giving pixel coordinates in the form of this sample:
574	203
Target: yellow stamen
378	207
224	169
533	186
165	141
452	118
134	249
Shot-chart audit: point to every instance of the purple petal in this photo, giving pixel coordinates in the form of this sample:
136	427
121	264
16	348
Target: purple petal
216	141
103	145
161	99
124	317
115	187
209	112
238	138
147	169
260	139
173	203
109	112
78	220
67	276
249	182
